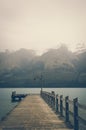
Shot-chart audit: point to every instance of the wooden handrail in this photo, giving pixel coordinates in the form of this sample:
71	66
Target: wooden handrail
56	103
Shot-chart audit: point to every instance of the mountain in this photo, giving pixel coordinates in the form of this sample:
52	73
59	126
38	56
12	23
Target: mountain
55	68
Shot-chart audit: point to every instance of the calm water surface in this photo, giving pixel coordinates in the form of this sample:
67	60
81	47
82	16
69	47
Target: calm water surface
5	96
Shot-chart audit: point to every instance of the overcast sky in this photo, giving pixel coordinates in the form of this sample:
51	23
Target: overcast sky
41	24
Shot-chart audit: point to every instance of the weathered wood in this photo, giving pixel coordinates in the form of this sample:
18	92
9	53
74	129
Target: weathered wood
33	113
67	109
76	122
61	105
56	103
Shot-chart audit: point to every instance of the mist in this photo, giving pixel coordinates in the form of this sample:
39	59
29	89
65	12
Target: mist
39	25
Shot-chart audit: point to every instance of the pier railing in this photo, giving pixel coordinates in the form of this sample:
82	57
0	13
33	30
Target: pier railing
71	110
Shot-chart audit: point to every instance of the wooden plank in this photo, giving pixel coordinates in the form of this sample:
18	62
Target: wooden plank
33	114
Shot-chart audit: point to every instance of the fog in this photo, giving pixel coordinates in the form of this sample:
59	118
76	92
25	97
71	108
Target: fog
42	24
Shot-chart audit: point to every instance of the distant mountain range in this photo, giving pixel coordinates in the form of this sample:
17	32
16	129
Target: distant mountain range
55	68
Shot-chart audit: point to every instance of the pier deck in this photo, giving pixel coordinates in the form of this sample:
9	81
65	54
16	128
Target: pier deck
33	113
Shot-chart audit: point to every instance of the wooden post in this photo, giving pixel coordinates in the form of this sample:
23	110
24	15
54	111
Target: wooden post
56	103
47	99
53	97
61	105
50	100
76	125
67	109
41	91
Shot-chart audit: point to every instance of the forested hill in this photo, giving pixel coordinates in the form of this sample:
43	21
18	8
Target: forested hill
55	68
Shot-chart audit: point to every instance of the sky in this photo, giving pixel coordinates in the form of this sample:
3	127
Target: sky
42	24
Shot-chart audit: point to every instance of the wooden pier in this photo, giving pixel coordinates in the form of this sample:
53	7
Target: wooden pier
44	112
33	113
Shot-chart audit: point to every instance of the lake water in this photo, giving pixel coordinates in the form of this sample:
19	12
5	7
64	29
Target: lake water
5	96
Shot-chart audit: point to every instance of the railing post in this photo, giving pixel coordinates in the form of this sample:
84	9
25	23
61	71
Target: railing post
51	101
61	105
56	103
67	109
49	98
41	92
76	125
